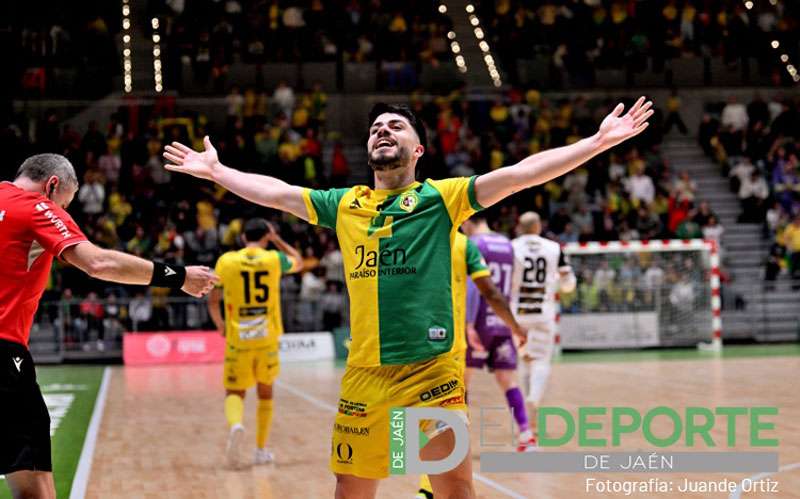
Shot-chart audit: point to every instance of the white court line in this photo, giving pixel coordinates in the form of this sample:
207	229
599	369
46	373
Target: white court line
737	492
330	407
81	480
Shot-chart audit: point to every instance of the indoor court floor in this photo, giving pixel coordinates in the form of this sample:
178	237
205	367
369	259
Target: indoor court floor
163	431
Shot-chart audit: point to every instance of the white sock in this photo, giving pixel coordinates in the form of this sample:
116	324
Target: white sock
540	372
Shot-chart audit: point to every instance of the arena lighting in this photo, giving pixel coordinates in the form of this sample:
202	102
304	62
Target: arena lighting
748	4
127	65
484	46
157	77
775	44
455	47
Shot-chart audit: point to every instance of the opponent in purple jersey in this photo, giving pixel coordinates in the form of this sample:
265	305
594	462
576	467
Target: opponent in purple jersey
490	342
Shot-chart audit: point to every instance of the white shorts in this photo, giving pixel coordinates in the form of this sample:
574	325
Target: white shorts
541	339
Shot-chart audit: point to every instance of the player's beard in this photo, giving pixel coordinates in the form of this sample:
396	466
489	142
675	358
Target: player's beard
382	162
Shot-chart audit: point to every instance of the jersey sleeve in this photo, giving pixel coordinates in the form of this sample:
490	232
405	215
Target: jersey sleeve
54	229
288	264
476	265
459	197
322	205
221	269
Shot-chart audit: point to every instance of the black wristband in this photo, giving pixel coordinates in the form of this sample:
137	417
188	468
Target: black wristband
168	276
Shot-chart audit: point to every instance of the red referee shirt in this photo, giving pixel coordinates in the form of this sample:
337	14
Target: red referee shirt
32	231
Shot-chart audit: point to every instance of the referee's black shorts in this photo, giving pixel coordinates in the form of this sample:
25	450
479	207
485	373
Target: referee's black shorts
24	421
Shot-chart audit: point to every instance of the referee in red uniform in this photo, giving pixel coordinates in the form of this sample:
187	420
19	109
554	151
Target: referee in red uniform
34	228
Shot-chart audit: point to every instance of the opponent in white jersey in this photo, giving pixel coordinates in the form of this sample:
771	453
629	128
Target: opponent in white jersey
540	270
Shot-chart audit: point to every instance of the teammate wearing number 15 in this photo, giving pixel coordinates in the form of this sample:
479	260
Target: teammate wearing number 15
250	280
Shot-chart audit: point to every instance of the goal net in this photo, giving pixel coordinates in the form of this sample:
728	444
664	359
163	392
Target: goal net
642	294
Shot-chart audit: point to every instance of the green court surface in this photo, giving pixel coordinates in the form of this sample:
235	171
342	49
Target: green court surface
70	393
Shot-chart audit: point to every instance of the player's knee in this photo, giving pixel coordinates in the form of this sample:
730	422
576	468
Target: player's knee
454	488
351	487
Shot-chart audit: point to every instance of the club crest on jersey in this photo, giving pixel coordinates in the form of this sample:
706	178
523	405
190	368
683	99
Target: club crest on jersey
408	201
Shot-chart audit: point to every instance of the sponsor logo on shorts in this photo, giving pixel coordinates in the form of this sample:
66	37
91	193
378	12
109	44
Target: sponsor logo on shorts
232	379
438	391
349	408
344	453
452	401
358	431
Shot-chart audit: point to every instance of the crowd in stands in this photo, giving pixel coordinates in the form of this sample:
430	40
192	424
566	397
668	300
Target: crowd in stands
214	34
127	200
631	193
580	36
48	35
757	146
671	282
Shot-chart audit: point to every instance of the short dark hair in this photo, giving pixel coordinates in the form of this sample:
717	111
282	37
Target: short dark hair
255	229
42	166
404	111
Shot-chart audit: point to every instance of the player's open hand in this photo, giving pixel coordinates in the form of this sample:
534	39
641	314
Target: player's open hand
617	127
198	164
199	280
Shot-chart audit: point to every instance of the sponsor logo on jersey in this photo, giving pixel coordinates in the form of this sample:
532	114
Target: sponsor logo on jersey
355	204
386	262
54	219
439	391
437	334
408	201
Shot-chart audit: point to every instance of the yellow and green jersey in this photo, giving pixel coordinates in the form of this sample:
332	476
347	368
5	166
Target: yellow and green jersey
468	258
397	247
251	282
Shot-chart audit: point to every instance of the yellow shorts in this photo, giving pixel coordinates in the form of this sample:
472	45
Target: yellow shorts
245	368
360	443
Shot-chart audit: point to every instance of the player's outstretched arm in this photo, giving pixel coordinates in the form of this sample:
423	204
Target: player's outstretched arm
499	304
547	165
258	189
115	266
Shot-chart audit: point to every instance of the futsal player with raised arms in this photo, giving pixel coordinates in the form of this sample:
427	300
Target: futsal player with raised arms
541	270
250	282
396	240
34	229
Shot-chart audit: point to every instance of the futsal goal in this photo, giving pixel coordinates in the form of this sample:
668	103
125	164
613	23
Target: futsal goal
640	294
